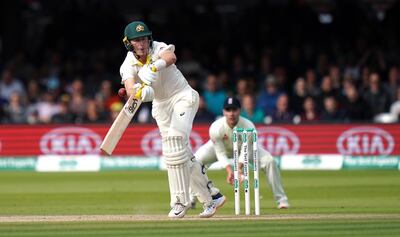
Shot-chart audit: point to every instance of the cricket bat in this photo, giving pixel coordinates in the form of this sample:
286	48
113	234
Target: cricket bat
120	124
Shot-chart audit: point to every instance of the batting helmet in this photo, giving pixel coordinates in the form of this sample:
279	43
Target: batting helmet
135	30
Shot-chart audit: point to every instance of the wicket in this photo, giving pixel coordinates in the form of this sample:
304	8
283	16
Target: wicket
246	181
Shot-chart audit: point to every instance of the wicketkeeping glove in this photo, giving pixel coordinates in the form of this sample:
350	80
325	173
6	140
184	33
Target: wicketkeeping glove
148	74
143	92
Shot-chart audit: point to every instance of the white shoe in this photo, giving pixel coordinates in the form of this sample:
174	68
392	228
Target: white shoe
178	211
209	210
219	201
283	205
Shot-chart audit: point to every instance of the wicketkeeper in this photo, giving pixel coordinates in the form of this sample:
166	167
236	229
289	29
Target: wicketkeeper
150	72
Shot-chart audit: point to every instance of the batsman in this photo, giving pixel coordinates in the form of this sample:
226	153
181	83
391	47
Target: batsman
220	147
150	72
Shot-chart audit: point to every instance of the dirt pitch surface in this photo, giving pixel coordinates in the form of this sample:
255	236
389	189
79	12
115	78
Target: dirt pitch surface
142	218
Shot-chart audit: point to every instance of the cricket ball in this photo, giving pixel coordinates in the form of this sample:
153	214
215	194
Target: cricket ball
122	92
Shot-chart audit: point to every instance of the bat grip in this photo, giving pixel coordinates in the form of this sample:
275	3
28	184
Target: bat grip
138	94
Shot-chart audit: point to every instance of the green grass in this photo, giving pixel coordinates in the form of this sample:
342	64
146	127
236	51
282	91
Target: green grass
209	228
146	192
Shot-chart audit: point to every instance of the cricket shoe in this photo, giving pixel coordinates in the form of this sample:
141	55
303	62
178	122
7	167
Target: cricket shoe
283	205
219	200
178	211
209	210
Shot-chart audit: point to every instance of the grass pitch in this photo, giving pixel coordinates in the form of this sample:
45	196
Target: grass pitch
135	203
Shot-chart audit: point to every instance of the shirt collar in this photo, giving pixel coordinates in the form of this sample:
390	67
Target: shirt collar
135	61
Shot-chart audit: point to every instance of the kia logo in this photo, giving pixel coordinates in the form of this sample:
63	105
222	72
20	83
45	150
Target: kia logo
151	142
278	140
365	141
70	141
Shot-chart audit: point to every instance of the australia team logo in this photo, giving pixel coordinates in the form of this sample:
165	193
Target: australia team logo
278	140
366	140
70	141
152	146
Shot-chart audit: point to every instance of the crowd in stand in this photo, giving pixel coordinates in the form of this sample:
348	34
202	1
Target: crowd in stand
341	94
275	83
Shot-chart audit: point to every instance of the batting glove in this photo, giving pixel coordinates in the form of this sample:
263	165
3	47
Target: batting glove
143	92
148	74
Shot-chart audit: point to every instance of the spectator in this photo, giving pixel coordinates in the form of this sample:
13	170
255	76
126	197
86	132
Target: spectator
393	82
311	83
65	115
310	113
377	99
334	74
365	72
268	97
331	112
213	96
203	115
249	110
105	97
78	101
10	84
51	72
16	110
326	90
224	80
299	95
354	106
46	108
33	90
242	88
282	112
93	115
281	79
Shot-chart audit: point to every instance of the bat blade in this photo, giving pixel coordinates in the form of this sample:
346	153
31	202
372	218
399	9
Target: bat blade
119	125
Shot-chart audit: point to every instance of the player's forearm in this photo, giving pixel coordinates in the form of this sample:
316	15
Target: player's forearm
128	83
223	160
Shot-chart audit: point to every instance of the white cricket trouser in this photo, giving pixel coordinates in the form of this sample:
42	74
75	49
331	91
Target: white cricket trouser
174	118
175	115
206	155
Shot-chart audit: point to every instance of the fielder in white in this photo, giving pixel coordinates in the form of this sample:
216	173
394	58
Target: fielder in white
220	148
149	71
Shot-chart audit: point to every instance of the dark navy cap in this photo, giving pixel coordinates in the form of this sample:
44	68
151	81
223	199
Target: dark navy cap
232	103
